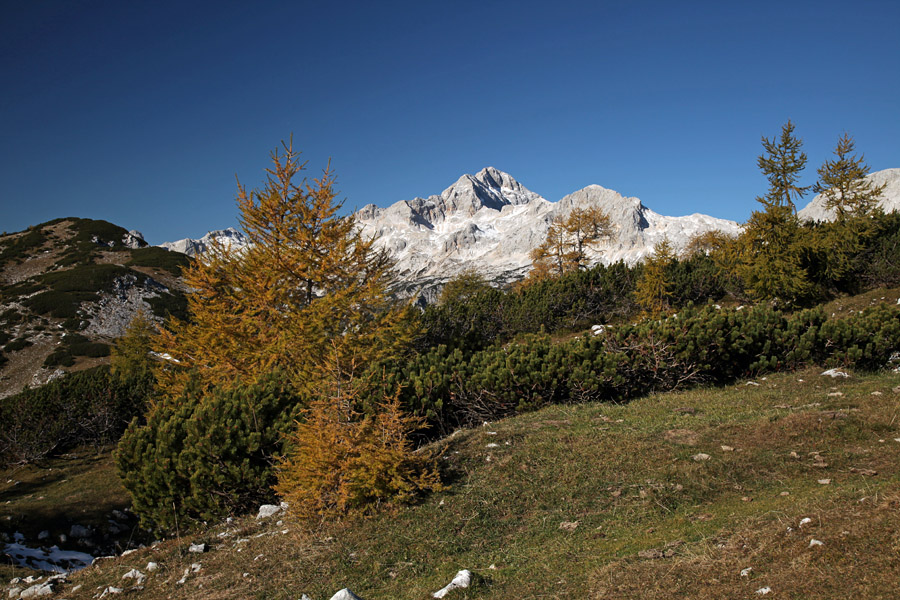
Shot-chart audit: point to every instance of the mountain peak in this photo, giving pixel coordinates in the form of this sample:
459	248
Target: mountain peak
490	188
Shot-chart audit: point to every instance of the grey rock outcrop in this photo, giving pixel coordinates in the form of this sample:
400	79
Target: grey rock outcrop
230	238
890	198
490	222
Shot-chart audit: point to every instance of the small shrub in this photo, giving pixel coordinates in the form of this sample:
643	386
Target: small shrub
342	461
61	357
205	455
159	258
16	345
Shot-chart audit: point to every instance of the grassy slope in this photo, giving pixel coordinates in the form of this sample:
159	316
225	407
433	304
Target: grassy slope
652	522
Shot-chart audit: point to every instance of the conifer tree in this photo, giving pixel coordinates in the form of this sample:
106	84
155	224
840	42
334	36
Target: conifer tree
308	281
568	240
654	288
854	200
130	355
782	164
773	241
342	460
843	185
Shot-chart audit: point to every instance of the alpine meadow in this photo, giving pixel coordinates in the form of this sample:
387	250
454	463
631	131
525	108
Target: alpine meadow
309	412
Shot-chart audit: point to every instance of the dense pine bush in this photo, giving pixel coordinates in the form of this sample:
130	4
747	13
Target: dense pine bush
88	407
206	455
696	346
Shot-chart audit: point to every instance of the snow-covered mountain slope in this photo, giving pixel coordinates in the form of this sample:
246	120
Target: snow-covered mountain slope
890	199
490	222
231	238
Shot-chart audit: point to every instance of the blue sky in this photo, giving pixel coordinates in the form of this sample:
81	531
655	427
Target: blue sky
143	113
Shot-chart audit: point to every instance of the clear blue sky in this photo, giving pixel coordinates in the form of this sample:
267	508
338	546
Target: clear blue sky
142	113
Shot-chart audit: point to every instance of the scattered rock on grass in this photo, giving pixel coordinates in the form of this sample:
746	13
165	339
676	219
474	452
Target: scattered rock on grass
463	579
136	575
36	591
866	472
814	542
834	373
345	594
667	551
198	548
569	525
700	456
268	510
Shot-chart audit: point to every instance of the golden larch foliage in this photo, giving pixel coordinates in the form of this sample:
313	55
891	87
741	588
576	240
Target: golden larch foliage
308	283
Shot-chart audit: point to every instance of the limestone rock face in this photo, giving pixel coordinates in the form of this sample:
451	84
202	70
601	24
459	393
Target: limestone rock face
490	222
890	198
231	238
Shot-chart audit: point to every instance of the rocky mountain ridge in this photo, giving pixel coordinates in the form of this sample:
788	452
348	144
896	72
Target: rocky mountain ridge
490	222
69	287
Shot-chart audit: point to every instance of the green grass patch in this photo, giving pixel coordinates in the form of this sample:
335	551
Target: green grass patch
604	500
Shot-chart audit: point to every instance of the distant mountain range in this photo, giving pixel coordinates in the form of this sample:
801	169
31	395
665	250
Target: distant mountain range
490	223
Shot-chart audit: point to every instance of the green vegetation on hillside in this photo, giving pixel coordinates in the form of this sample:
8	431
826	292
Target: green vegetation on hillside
85	408
671	495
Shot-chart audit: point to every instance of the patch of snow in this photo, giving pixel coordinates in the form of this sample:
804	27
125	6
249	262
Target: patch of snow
52	559
814	542
746	572
764	590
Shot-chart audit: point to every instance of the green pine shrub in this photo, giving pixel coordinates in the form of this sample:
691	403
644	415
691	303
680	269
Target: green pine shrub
206	455
160	258
17	344
85	408
698	345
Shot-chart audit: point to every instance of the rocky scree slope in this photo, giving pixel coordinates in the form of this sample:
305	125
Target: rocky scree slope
70	286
